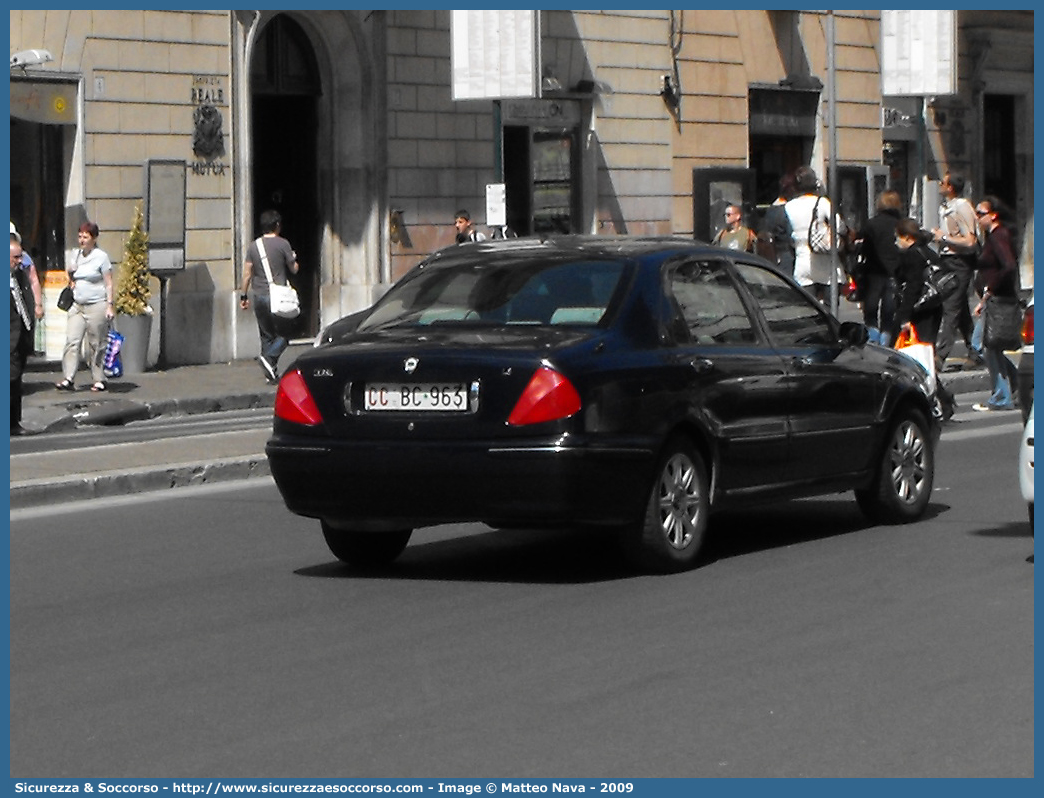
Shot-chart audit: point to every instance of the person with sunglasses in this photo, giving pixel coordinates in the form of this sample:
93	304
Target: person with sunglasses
996	280
735	235
958	239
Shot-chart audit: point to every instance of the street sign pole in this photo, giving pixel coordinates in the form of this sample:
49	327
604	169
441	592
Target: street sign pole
832	187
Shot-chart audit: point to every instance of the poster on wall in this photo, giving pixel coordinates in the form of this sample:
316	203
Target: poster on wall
494	54
165	214
918	53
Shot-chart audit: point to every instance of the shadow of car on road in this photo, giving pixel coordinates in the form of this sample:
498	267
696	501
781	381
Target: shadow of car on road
582	556
1011	529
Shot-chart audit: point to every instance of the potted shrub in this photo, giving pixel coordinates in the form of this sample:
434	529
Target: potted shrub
133	292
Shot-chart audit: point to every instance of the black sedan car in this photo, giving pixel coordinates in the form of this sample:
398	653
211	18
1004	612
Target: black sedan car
632	384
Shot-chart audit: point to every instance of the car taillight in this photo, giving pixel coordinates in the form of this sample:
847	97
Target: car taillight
548	396
294	402
1027	327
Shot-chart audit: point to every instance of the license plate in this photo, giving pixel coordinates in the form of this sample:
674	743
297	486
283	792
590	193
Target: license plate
417	397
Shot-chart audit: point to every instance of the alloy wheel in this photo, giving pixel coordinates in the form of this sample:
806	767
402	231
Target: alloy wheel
679	501
909	462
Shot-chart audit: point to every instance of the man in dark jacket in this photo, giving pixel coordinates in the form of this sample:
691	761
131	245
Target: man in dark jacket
22	322
880	259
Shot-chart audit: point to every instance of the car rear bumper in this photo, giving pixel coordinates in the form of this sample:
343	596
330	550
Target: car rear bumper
416	484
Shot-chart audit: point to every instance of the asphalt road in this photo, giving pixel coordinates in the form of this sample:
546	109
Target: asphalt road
208	633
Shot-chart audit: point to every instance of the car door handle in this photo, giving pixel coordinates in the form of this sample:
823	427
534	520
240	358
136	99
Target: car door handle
702	365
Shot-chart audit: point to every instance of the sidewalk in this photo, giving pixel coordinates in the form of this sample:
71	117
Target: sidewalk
48	478
184	390
54	477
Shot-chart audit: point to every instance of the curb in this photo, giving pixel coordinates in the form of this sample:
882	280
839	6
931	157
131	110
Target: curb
120	411
104	484
966	381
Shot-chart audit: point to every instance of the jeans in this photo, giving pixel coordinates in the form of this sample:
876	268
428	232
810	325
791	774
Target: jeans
273	342
1002	373
977	333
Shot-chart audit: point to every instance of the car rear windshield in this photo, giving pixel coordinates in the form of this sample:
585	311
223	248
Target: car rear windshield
510	293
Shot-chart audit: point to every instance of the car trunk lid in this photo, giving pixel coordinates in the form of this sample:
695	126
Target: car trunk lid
430	383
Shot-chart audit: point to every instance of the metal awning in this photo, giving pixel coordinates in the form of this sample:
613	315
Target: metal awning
49	101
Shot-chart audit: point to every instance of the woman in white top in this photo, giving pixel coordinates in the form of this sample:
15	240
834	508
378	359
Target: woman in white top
811	269
90	275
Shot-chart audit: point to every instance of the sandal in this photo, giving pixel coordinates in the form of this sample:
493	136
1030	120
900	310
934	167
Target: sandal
64	385
98	386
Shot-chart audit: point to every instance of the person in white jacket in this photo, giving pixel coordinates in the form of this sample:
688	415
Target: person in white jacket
811	269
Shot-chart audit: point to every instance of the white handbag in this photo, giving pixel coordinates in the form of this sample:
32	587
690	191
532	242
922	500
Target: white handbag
283	299
923	354
819	238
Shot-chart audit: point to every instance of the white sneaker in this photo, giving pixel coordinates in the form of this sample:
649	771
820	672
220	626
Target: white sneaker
268	368
988	408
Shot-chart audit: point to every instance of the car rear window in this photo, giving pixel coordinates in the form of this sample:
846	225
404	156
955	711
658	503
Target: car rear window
511	293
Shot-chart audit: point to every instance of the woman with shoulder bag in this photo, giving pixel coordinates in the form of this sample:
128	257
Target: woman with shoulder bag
809	214
996	281
914	258
90	276
270	259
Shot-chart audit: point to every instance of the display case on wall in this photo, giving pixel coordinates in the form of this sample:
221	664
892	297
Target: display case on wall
713	189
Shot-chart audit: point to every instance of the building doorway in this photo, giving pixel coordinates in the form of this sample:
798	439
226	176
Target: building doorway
542	165
541	175
43	137
781	136
285	90
39	173
999	176
772	157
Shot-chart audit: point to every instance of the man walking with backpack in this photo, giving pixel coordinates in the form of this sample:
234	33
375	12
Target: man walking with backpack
958	240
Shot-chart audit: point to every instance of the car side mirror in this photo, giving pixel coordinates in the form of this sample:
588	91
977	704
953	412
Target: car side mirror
853	333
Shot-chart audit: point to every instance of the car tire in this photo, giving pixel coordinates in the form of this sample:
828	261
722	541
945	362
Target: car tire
365	549
902	486
670	535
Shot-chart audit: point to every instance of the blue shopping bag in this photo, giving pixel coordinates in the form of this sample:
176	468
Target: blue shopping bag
112	365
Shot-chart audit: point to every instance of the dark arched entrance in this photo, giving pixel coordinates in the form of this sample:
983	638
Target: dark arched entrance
285	90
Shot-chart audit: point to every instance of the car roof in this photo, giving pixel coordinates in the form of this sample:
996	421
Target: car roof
572	246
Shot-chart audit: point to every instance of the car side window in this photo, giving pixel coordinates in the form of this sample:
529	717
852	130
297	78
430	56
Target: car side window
793	318
709	305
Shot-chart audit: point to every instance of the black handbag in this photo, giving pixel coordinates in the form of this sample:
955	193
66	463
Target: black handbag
65	298
938	285
1002	323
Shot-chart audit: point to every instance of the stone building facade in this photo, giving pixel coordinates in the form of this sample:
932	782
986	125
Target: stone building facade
345	122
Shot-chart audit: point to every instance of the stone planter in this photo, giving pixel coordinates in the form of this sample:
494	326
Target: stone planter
135	331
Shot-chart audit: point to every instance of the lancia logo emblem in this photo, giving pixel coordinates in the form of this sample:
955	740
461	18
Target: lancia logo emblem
410	365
